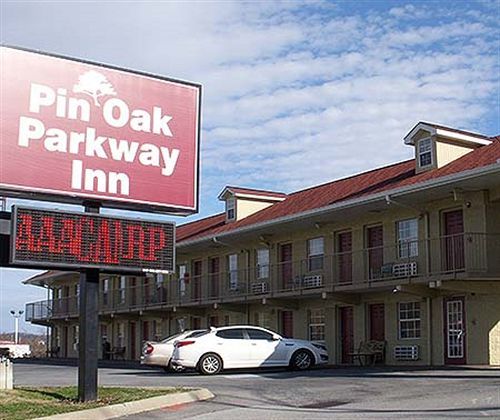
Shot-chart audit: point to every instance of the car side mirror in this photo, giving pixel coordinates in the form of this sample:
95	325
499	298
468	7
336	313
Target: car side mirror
276	337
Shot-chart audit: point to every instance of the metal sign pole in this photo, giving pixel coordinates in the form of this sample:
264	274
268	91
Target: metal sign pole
89	327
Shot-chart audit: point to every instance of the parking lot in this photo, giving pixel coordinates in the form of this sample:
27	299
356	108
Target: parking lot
317	394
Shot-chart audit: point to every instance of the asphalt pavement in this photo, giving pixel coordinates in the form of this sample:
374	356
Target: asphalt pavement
340	393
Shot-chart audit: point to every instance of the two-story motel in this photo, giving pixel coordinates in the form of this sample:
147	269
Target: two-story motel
408	254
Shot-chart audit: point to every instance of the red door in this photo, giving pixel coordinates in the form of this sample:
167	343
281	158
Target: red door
213	321
213	276
454	331
453	241
196	284
196	323
132	340
346	333
375	236
345	257
377	322
145	330
287	324
286	266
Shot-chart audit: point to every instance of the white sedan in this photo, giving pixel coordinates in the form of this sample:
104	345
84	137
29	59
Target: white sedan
245	346
159	353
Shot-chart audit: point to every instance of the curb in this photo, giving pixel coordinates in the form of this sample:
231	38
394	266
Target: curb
134	407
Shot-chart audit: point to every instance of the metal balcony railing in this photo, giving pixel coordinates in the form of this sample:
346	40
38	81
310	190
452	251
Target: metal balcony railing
474	254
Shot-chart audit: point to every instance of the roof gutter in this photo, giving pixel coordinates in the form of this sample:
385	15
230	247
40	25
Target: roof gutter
442	181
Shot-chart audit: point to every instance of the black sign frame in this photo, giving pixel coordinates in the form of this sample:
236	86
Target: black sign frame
81	265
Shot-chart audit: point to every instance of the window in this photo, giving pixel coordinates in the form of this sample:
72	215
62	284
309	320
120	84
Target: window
159	280
57	335
231	209
120	336
76	337
259	334
104	331
182	279
160	290
121	290
315	250
231	334
105	291
425	152
409	320
157	330
317	325
262	263
407	238
233	271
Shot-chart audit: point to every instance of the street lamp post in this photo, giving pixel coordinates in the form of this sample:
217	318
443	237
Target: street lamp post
16	316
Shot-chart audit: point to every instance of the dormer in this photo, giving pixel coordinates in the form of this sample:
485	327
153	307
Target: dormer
437	145
242	202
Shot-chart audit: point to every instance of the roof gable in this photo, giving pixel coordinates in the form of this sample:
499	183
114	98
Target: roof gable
446	132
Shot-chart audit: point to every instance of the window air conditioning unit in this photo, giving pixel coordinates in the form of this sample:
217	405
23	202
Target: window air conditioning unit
405	269
313	281
258	288
406	352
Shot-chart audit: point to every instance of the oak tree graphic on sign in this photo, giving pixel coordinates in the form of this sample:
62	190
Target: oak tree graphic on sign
94	84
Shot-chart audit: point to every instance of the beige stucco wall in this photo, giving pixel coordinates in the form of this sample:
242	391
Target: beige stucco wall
246	207
483	327
447	151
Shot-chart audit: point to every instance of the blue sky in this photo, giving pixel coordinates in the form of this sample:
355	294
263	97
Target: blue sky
295	93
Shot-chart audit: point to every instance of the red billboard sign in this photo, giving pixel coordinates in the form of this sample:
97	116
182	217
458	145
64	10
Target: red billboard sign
55	239
76	131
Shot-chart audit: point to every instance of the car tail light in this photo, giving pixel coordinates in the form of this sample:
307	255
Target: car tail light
184	343
148	349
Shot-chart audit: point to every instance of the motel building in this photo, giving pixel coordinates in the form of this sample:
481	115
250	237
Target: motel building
407	255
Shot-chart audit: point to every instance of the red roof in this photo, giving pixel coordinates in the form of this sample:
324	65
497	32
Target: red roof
375	181
199	227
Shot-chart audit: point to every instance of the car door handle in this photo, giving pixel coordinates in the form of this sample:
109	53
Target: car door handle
254	344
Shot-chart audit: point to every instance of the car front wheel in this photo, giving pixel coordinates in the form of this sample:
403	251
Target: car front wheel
210	364
302	360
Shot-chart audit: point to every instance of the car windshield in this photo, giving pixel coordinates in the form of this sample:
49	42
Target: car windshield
198	333
187	334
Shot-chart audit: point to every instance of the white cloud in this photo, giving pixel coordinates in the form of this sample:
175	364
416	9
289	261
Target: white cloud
282	81
295	93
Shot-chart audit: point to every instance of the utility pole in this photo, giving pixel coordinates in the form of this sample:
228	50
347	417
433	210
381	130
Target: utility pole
16	316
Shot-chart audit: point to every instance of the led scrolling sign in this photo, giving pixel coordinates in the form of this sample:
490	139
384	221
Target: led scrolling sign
64	240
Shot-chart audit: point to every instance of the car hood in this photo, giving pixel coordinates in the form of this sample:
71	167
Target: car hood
297	341
300	342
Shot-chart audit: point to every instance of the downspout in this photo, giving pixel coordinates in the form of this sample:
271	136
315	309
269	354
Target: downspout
429	329
49	329
247	269
427	242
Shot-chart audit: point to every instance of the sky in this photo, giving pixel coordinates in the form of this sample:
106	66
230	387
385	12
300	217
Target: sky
294	93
